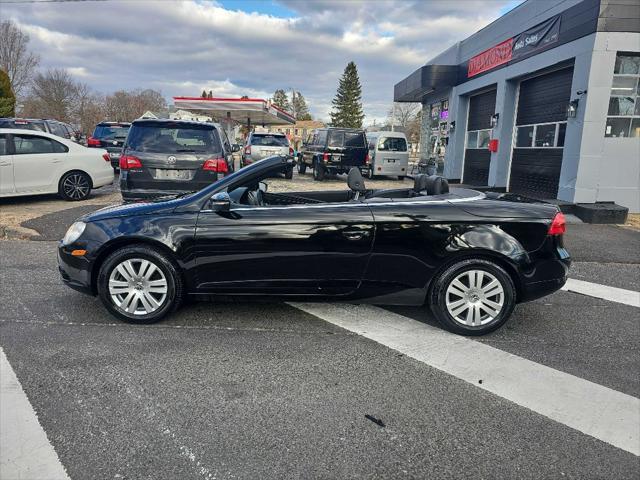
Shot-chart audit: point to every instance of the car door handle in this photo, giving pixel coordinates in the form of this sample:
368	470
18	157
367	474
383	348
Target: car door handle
55	160
4	164
354	234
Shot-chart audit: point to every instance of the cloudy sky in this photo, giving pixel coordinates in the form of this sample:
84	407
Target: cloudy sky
248	47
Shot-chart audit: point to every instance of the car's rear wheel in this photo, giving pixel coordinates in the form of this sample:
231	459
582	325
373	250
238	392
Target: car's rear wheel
138	284
400	177
288	174
473	297
370	173
319	171
302	168
75	186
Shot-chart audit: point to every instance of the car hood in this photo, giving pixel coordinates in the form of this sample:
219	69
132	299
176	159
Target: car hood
130	210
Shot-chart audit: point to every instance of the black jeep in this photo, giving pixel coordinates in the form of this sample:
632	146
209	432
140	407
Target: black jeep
334	150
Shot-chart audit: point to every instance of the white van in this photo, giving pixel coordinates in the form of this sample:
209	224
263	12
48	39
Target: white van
388	154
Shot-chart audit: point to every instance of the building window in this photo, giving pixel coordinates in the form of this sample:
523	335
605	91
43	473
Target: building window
623	116
541	135
478	138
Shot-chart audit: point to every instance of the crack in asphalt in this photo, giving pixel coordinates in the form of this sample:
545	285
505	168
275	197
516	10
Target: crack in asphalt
182	327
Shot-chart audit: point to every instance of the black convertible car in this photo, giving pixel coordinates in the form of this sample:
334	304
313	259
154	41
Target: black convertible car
469	256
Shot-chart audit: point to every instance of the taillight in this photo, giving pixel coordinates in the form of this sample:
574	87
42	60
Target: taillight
291	151
325	157
247	150
366	159
558	225
218	165
93	142
129	161
106	157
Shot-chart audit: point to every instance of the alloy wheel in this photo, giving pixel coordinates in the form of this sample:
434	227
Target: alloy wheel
475	298
138	286
76	186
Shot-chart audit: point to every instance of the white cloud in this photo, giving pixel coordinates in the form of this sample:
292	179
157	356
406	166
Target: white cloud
184	47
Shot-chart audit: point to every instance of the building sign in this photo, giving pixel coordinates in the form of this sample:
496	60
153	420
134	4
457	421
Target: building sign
534	39
490	58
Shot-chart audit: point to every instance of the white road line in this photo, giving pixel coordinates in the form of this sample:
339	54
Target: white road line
25	451
598	411
613	294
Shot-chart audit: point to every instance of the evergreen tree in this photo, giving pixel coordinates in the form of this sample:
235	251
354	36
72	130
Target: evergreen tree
280	100
7	98
300	107
347	103
204	94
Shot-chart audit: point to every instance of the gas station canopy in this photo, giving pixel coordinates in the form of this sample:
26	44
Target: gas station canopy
249	111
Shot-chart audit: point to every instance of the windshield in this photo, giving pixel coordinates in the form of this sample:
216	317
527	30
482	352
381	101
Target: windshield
111	131
269	140
392	144
339	138
173	139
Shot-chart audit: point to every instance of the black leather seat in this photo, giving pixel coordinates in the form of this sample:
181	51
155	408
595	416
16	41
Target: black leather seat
430	185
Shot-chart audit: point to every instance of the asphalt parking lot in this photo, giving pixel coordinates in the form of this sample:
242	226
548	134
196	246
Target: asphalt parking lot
269	390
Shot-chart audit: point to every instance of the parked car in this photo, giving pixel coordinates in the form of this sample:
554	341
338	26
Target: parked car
111	137
263	145
34	162
333	151
388	154
50	126
469	256
171	157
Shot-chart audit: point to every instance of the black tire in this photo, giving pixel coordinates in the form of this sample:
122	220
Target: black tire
401	177
302	168
319	171
174	285
438	297
288	174
75	186
370	174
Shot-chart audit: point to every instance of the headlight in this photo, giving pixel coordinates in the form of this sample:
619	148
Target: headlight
73	233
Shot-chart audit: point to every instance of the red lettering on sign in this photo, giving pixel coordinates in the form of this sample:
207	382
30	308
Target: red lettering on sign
490	58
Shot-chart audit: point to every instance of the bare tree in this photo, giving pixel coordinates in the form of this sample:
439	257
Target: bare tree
54	94
123	106
15	58
405	113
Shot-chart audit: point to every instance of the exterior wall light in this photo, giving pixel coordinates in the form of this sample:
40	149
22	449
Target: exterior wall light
572	108
494	119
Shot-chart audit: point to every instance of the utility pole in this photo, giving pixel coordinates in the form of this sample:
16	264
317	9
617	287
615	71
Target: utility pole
393	117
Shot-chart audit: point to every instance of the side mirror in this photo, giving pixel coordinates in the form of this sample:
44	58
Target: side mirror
263	186
220	202
235	148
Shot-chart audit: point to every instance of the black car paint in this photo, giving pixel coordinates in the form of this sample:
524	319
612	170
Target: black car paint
376	251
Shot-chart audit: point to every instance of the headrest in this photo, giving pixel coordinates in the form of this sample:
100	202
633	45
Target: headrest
355	180
430	184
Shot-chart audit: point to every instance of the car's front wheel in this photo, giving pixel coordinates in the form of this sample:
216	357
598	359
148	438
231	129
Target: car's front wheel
75	186
302	167
138	284
288	174
473	297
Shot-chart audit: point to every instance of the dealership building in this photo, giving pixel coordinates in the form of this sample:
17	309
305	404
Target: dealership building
544	102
